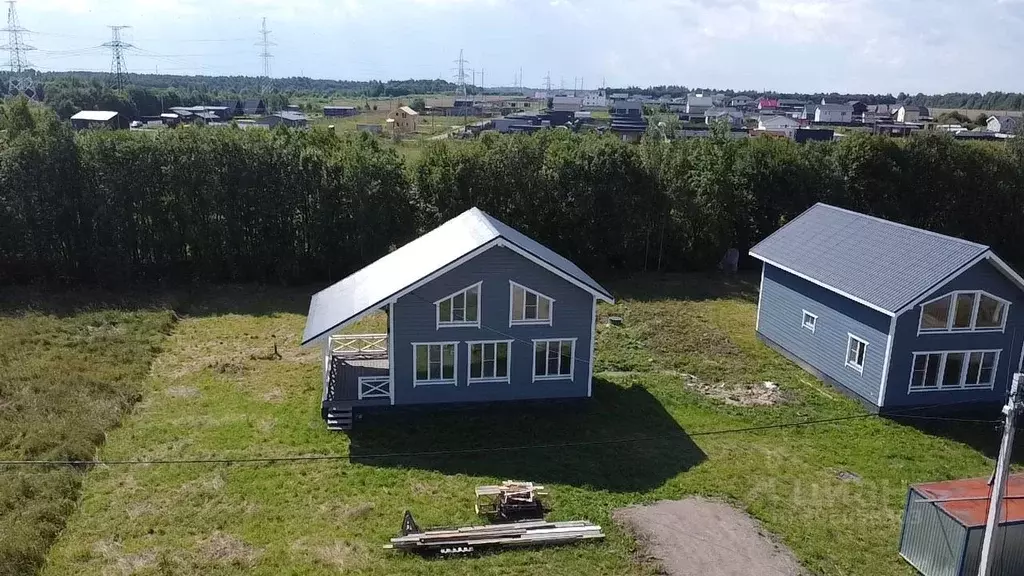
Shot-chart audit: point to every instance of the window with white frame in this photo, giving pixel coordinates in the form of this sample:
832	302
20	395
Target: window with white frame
489	361
809	321
528	306
953	370
434	363
856	350
972	311
553	359
461	308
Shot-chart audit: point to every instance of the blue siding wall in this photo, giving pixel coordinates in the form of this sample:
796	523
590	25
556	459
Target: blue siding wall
415	321
981	276
784	297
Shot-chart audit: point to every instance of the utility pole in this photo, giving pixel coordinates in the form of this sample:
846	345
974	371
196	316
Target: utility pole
118	69
1013	405
460	73
481	78
265	56
19	83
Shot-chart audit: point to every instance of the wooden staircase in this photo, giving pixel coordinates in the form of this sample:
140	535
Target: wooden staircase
339	419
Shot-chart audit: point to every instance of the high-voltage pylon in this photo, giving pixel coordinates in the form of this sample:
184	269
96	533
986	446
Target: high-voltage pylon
20	82
265	55
118	69
460	73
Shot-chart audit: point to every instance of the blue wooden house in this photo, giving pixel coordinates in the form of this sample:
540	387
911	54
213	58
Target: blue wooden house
893	315
477	312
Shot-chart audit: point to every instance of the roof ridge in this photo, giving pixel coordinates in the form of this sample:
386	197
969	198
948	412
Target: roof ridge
486	219
901	225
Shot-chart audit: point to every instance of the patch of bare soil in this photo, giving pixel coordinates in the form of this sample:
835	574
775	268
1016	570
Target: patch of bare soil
221	547
699	537
749	394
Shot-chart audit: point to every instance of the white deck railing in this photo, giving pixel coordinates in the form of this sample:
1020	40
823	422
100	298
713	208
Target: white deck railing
375	387
358	345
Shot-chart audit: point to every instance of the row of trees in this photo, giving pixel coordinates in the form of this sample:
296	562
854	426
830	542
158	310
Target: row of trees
287	206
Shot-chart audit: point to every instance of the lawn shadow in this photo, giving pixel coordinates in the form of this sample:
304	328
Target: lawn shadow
985	437
622	440
696	286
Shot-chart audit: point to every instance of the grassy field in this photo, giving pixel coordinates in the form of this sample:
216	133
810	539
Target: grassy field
71	367
219	390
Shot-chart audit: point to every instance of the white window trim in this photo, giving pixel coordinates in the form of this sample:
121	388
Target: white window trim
551	309
812	325
444	381
469	363
942	368
857	367
572	365
974	314
461	324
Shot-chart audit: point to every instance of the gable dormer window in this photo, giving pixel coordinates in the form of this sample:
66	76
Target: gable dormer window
461	309
529	306
964	311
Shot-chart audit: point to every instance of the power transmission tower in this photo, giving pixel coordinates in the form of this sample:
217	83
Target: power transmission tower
20	82
1013	406
460	73
118	69
547	83
265	55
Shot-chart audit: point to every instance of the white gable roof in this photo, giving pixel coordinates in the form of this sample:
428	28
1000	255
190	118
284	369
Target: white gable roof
436	251
94	115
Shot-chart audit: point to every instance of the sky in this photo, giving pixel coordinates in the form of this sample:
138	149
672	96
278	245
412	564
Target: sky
846	46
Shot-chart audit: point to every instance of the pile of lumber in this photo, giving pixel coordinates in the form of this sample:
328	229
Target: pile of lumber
511	500
467	539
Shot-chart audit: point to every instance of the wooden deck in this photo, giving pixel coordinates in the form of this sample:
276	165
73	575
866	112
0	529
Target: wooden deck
343	380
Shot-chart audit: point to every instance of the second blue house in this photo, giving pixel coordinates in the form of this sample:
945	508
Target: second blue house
896	316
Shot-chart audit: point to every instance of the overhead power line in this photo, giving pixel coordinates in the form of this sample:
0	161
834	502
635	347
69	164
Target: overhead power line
464	451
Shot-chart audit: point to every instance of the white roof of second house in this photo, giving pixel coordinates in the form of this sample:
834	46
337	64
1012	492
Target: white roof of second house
386	278
94	115
884	265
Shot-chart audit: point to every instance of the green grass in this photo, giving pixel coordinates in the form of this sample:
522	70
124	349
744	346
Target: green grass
69	374
217	390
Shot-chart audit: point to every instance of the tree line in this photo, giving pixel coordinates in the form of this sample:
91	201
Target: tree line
283	206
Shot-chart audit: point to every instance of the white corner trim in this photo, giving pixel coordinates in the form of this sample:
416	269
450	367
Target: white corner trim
443	381
850	339
391	346
496	380
593	343
572	363
760	293
549	321
885	363
860	301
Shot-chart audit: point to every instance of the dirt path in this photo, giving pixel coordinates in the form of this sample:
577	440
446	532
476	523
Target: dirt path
697	537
